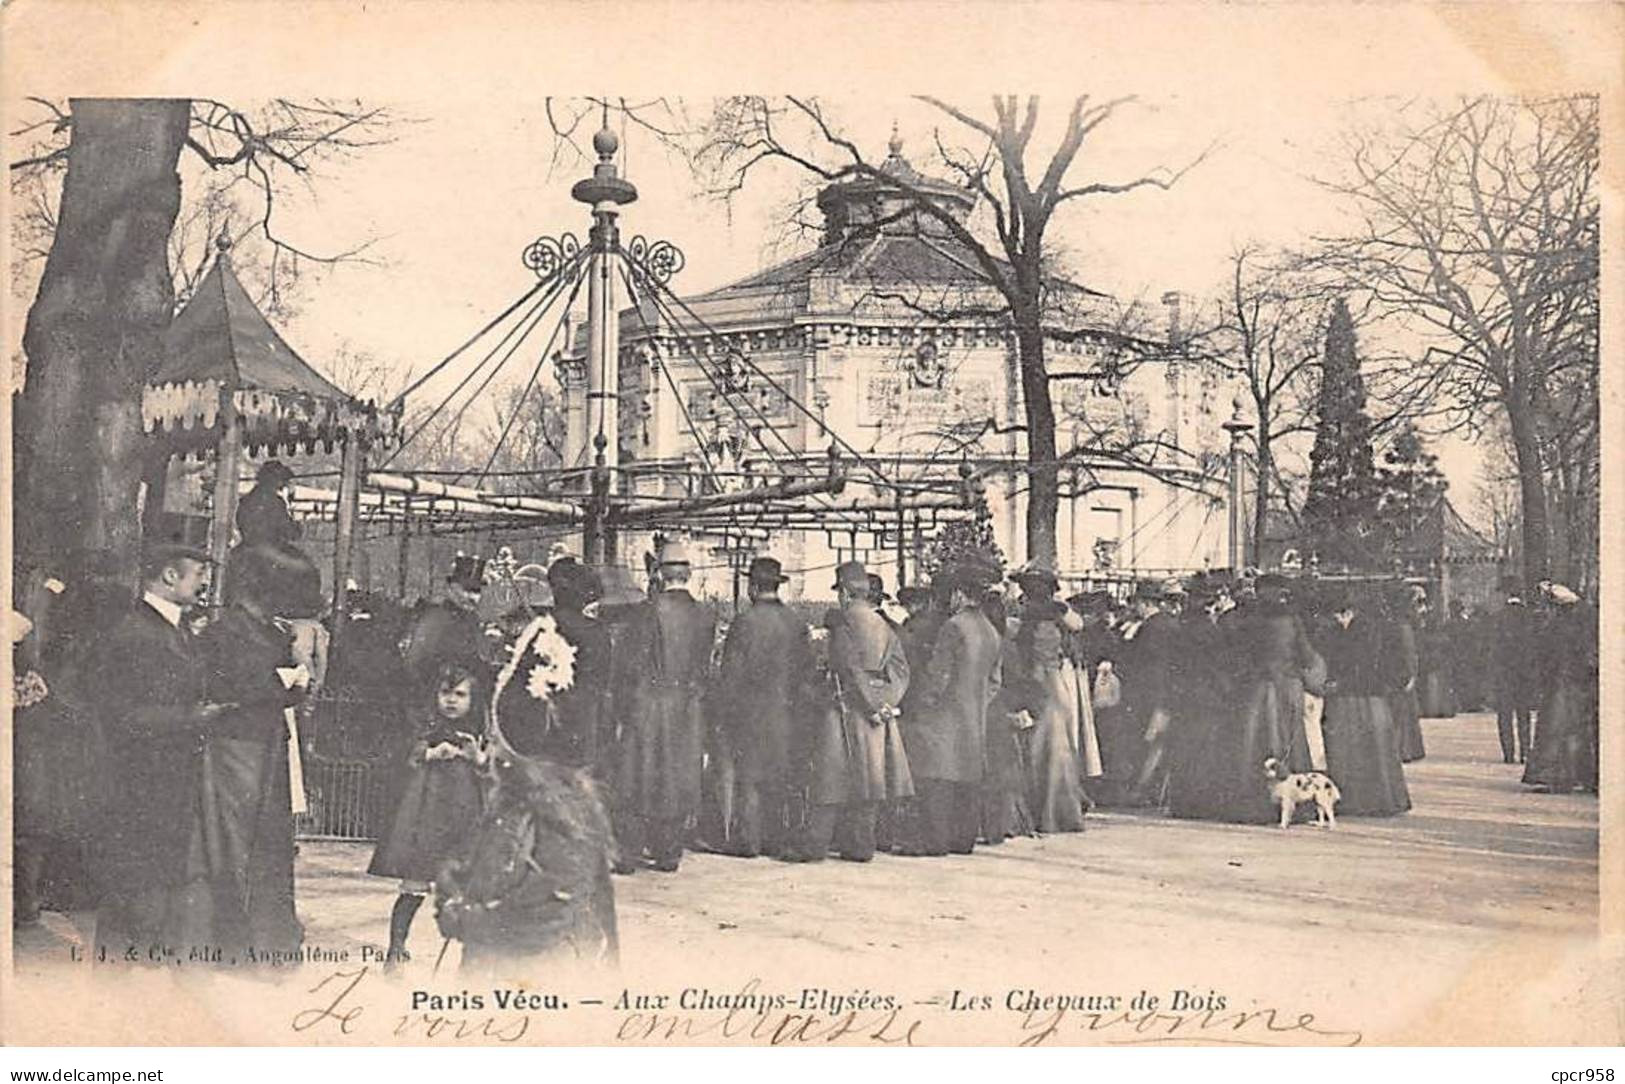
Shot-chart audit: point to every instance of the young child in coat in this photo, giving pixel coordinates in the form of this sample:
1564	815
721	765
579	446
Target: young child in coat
439	796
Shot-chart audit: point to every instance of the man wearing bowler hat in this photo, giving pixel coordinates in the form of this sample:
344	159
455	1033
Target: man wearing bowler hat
765	663
857	759
152	685
660	778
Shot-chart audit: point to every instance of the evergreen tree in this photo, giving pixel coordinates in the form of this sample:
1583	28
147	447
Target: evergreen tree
1409	484
1340	513
963	540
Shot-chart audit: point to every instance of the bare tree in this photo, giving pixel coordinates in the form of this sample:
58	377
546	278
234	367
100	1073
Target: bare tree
107	287
1478	228
525	438
995	160
1265	335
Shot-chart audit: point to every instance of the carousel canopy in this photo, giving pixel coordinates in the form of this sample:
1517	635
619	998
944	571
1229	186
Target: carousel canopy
221	348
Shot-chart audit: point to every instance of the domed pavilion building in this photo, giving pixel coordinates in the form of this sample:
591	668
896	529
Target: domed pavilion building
889	336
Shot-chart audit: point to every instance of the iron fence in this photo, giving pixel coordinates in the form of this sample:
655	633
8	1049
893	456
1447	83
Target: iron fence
344	799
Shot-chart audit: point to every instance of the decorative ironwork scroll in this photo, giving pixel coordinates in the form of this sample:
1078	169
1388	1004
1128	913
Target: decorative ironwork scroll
653	261
547	256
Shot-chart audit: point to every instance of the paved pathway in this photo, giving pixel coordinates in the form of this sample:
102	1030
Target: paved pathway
1470	913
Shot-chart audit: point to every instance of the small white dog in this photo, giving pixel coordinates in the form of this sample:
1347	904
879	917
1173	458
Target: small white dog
1289	790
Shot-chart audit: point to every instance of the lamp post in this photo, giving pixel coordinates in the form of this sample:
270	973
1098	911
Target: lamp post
1237	427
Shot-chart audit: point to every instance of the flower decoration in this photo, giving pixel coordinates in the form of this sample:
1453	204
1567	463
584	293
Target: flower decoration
555	670
549	658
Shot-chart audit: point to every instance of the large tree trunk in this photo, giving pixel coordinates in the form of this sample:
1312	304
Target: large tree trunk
1531	494
1044	483
93	335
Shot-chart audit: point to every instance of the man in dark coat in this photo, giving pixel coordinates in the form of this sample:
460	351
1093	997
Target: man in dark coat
1515	694
262	513
662	758
765	663
446	631
154	712
1152	679
269	530
945	735
857	759
580	708
928	609
240	869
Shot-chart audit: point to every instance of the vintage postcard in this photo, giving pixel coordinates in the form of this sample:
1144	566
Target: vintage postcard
737	524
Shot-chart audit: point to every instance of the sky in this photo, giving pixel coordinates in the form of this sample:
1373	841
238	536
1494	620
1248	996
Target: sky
1262	88
451	203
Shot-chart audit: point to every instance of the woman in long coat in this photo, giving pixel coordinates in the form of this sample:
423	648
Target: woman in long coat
1437	695
1004	782
945	730
240	890
1403	701
58	758
1043	685
1205	672
1564	753
1273	663
1362	746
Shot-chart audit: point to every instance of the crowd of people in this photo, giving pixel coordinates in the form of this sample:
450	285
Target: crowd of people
611	725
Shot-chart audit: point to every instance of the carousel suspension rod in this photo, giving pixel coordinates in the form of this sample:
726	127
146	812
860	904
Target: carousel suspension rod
402	483
759	495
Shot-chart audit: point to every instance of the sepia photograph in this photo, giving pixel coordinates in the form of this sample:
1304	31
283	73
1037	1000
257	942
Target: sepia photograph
1104	549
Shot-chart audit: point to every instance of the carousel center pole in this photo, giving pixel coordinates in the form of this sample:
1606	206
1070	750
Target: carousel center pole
605	192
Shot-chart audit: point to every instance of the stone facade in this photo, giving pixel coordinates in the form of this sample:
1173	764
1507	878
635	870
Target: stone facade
873	335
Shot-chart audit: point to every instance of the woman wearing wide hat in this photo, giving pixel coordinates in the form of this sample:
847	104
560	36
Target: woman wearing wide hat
1564	754
1041	687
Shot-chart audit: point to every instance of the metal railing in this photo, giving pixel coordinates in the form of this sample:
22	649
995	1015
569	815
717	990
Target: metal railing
345	800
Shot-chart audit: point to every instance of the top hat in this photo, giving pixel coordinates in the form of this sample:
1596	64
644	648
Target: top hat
674	551
766	572
178	535
852	576
467	572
